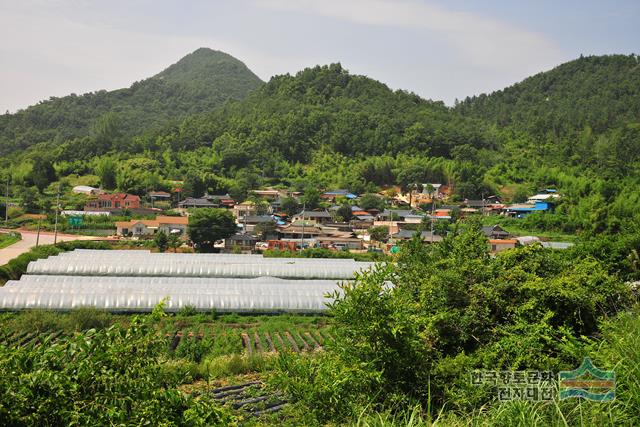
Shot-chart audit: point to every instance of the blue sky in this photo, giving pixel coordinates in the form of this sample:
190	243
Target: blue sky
439	49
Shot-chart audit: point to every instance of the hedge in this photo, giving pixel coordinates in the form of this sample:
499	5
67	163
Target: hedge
18	266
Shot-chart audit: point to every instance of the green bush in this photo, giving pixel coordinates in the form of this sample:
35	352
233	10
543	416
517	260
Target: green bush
15	268
82	319
101	377
452	309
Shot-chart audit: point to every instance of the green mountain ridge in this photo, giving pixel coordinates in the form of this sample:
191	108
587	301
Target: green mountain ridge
201	81
326	128
598	92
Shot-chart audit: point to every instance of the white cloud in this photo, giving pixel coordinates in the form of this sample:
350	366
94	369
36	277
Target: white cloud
482	41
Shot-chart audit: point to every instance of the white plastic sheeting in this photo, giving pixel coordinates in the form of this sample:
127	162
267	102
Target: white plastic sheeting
145	264
92	254
136	281
140	294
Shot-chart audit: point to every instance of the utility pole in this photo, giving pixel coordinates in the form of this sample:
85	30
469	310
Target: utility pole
431	216
38	233
55	227
431	230
6	205
302	241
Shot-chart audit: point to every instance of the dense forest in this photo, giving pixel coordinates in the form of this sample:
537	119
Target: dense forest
575	127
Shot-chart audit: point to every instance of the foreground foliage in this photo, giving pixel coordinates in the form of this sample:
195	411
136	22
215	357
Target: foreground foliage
452	309
100	377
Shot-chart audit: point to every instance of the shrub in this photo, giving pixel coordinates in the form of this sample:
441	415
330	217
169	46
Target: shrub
451	309
103	377
82	319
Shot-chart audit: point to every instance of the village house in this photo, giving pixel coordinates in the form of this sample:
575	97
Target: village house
273	195
148	227
426	236
495	232
441	214
475	204
250	221
241	242
113	201
541	202
85	189
312	234
208	201
321	217
520	210
193	202
333	195
159	195
299	230
499	245
394	214
243	209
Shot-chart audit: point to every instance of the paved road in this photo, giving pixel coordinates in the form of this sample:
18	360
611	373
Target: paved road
29	241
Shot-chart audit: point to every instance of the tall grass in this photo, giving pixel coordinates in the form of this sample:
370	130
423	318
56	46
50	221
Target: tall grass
617	349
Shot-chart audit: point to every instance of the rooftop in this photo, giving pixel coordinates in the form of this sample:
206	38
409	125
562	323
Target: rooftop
314	214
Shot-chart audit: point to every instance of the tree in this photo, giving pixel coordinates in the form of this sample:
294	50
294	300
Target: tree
345	212
310	198
290	206
42	174
265	229
379	233
29	199
261	204
371	201
193	186
107	171
207	226
105	131
161	241
174	241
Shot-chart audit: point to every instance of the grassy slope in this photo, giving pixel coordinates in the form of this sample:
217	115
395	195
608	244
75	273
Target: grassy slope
7	240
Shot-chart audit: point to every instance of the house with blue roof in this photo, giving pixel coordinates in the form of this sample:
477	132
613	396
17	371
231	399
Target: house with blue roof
520	210
334	194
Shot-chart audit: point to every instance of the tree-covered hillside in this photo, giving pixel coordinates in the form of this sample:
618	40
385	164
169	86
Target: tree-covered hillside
326	107
585	113
598	92
201	81
326	128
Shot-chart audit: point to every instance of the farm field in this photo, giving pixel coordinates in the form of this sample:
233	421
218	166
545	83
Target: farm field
228	358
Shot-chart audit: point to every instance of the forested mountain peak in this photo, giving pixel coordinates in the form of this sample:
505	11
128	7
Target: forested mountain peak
204	64
201	81
598	92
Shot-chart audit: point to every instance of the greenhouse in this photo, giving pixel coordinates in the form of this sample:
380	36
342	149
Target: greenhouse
139	294
136	281
190	265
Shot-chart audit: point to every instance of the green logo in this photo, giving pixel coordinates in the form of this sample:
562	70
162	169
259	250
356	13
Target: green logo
587	382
